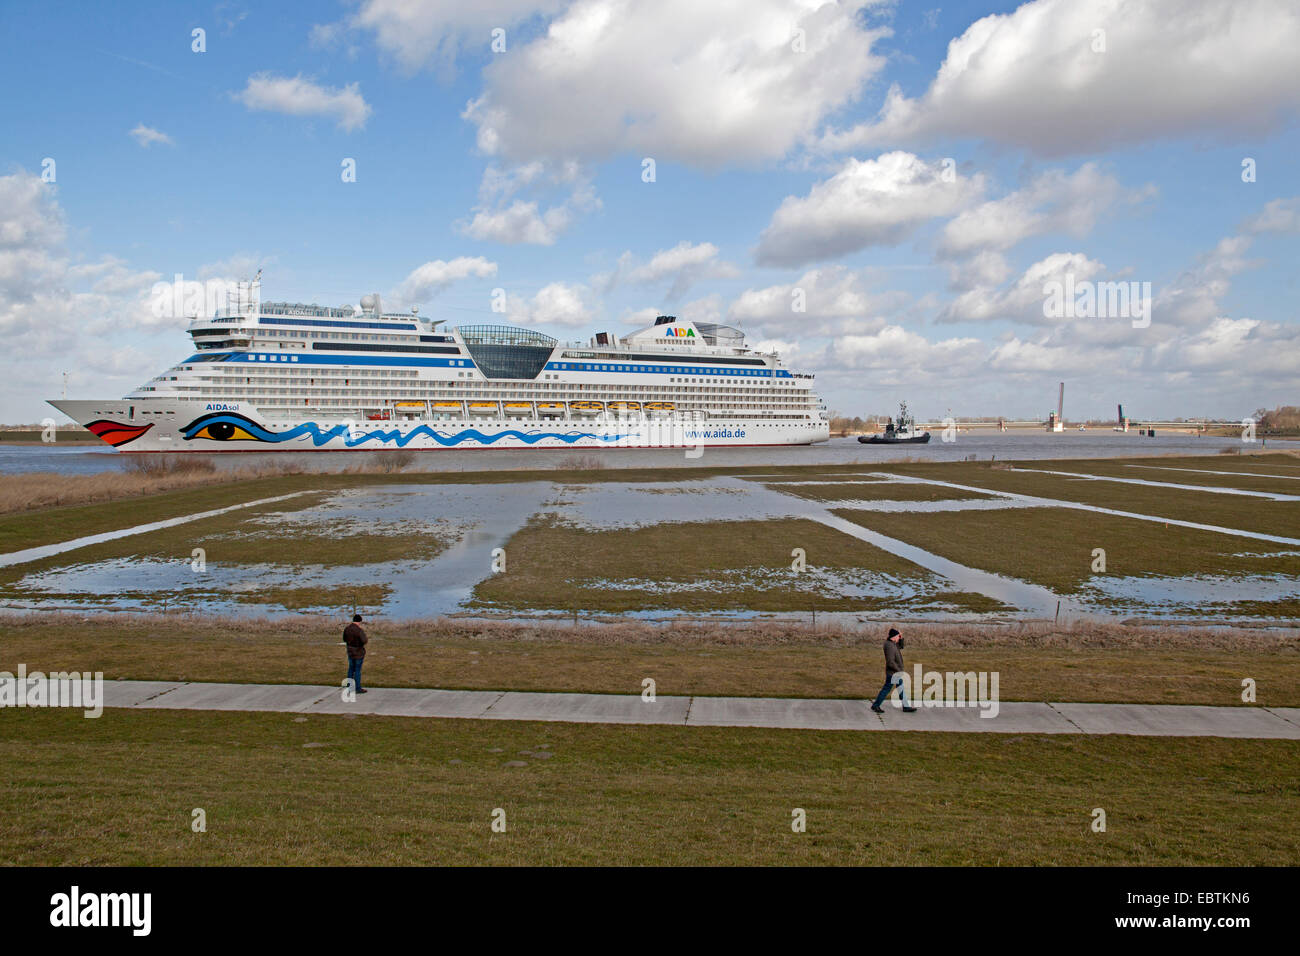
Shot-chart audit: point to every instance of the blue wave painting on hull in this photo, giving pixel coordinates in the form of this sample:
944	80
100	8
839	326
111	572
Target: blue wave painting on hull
229	427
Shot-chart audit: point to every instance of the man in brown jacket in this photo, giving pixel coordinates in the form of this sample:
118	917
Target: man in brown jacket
893	673
354	636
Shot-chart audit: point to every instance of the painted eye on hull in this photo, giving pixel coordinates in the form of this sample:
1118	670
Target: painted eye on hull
224	431
224	428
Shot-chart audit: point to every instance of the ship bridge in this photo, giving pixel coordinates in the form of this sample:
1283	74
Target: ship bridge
504	351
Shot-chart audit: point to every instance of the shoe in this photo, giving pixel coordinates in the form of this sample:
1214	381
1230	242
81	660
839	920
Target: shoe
909	710
361	690
876	709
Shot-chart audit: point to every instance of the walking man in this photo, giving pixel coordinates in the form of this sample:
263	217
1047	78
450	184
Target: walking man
354	636
893	673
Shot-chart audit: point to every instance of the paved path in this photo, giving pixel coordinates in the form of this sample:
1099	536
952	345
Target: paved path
1159	720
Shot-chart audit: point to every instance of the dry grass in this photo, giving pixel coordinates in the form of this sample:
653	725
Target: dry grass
140	476
143	475
580	463
1078	661
1081	634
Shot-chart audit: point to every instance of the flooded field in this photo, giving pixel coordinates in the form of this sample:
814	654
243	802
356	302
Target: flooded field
958	541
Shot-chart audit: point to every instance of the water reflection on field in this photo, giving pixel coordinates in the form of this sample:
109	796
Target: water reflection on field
470	522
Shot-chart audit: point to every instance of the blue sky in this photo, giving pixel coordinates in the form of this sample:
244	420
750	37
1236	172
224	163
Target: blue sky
820	169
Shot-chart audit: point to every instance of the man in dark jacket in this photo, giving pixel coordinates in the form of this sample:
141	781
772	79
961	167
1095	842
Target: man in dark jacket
893	673
354	636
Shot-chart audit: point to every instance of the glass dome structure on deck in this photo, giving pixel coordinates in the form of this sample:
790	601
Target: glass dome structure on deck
503	351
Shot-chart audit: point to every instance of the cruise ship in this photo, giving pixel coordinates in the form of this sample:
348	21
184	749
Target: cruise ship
285	376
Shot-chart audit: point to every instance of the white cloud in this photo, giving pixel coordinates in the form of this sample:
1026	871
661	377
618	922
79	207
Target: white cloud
1193	299
432	277
1055	201
703	83
238	267
1263	351
558	303
870	202
62	311
835	301
1022	301
981	270
900	355
420	32
301	96
640	317
146	136
519	222
1032	78
683	266
523	221
1278	216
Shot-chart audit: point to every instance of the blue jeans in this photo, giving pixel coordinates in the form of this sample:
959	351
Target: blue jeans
895	680
354	672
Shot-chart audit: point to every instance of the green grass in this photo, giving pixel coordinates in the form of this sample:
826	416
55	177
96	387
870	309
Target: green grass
245	537
280	789
1241	480
1203	507
877	491
1053	546
694	566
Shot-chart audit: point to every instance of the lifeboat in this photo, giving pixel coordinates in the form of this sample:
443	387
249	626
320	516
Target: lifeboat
624	406
409	406
446	406
550	408
483	408
519	406
659	408
587	408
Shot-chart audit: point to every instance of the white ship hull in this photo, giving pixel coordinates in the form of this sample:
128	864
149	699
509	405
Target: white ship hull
164	425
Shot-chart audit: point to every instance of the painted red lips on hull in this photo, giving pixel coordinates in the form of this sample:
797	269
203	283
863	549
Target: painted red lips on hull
115	433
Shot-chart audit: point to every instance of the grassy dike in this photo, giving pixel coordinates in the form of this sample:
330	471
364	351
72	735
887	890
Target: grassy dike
292	790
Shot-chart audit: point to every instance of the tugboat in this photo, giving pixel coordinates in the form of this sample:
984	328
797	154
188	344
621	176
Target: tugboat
902	432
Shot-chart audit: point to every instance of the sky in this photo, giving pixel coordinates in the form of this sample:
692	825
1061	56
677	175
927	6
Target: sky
892	195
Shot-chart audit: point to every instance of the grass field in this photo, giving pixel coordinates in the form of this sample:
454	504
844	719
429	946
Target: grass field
1053	546
877	491
1084	661
699	566
293	790
1203	507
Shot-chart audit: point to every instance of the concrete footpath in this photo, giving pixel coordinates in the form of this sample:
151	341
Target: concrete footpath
1159	720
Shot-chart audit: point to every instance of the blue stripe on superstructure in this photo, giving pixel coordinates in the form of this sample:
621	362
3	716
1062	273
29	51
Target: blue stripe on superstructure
640	369
335	323
315	358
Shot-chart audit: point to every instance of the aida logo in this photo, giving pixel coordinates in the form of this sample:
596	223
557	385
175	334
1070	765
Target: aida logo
677	333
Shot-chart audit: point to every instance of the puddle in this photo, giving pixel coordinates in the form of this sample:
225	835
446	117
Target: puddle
1158	596
480	518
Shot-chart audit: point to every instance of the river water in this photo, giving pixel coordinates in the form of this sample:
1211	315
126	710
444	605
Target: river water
983	445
